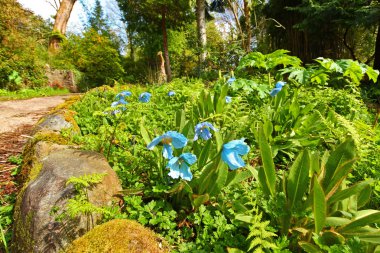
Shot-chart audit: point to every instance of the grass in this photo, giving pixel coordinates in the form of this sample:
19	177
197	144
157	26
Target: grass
31	93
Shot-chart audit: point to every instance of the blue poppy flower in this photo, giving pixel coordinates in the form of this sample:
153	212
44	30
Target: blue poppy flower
171	93
203	130
180	166
171	137
280	84
231	80
228	99
145	97
232	151
277	88
119	102
123	94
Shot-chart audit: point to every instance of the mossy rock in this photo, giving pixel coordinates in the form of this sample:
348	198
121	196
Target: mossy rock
118	236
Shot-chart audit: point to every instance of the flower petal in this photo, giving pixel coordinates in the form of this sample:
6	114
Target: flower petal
155	142
167	151
188	158
208	124
178	139
275	91
185	172
280	84
205	134
233	160
228	99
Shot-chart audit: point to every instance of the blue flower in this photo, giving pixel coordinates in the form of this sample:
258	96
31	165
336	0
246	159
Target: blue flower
231	80
119	102
171	137
278	88
203	130
180	166
123	94
228	99
171	93
232	151
145	97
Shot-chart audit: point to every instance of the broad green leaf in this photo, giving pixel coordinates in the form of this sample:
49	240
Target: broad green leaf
219	140
309	248
372	74
337	162
180	119
364	196
204	155
336	221
298	179
332	238
218	178
222	99
319	206
244	218
346	193
267	175
234	250
361	222
314	163
237	176
144	133
198	200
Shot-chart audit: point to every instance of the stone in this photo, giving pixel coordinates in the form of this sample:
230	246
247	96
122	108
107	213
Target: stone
61	79
42	200
54	123
119	236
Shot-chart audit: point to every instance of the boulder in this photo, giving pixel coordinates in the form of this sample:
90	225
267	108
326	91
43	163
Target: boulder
119	236
44	199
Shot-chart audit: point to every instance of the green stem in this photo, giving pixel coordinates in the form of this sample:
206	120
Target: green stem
269	80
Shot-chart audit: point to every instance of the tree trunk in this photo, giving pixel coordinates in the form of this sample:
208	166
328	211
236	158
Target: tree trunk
60	23
130	44
376	61
201	27
165	44
248	30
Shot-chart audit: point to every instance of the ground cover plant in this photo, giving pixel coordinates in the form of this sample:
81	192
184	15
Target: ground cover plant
30	93
259	161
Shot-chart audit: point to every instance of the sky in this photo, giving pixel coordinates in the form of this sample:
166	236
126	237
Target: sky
46	11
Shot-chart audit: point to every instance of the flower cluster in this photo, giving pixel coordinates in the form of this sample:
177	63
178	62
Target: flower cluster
180	166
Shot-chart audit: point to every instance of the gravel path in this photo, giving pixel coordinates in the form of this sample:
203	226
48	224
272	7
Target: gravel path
17	118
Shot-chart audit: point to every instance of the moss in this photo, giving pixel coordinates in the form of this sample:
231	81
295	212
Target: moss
30	166
118	236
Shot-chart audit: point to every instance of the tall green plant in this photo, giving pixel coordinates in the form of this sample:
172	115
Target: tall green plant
317	186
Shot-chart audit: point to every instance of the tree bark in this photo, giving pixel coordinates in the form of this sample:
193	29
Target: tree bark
60	23
376	61
248	30
165	45
201	27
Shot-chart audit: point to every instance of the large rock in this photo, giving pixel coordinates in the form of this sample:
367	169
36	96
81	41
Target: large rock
44	199
119	236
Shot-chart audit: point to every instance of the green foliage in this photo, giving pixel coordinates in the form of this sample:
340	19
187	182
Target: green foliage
23	42
95	55
30	93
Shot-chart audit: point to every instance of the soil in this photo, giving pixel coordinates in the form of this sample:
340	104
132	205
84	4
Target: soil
17	120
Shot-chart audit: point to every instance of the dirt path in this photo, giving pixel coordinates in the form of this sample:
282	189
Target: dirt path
17	120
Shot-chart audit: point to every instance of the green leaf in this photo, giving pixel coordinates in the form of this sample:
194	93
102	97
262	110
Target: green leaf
364	197
309	248
237	176
204	155
336	221
219	179
346	193
338	165
180	119
298	179
222	99
319	206
267	174
371	218
372	74
198	200
144	133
